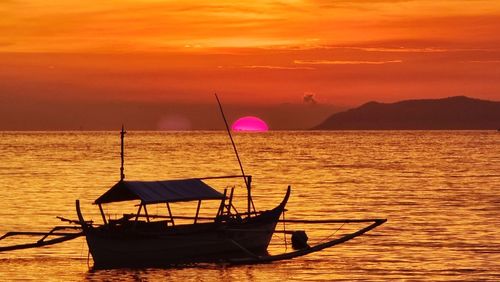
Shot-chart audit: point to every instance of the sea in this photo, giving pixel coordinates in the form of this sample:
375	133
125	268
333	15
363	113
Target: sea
438	190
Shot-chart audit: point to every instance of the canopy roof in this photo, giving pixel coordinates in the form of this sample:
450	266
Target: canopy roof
150	192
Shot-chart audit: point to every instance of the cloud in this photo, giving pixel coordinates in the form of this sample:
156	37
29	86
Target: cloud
99	26
309	98
484	61
337	62
278	67
400	50
267	67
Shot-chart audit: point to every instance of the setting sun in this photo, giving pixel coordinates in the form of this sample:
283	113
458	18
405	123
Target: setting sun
250	123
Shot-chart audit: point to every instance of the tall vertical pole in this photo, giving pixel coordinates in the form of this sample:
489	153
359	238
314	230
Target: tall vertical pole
122	137
249	194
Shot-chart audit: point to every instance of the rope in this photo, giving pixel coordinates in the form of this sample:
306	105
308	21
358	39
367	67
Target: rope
81	249
331	234
284	231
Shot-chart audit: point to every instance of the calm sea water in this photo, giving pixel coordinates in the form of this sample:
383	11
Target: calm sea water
439	191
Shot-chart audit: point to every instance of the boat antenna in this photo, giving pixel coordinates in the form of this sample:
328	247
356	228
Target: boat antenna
122	137
247	182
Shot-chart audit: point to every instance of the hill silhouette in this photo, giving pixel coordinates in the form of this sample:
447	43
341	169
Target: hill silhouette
457	112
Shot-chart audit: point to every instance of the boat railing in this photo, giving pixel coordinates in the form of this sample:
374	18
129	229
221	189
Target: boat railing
222	177
128	216
152	216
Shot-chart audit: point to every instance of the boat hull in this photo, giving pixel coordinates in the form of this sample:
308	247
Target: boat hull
204	242
163	249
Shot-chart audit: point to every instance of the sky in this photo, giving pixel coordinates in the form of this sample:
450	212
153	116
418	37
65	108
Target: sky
89	64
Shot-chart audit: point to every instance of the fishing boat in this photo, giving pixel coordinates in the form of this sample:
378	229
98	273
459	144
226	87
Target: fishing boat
143	239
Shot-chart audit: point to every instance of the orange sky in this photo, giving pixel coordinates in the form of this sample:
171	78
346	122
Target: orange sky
259	52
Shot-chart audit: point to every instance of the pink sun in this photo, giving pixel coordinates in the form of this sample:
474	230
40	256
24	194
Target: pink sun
250	123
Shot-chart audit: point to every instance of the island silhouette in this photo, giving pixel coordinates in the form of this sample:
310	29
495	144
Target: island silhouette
452	113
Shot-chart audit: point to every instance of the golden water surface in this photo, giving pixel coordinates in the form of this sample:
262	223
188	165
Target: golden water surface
439	191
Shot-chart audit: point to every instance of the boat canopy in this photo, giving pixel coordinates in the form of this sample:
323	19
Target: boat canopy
151	192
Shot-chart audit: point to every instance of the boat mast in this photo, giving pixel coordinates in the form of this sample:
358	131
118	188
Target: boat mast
247	180
122	137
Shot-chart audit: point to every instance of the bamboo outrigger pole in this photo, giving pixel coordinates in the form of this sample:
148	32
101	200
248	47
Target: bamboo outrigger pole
247	181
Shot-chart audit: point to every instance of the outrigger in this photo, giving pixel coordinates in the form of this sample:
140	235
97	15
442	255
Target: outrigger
142	239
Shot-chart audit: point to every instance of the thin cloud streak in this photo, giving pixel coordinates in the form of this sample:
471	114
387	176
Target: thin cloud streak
329	62
484	62
266	67
279	68
400	50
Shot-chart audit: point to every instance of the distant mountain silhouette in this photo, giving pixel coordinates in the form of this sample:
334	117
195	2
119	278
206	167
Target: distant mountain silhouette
458	112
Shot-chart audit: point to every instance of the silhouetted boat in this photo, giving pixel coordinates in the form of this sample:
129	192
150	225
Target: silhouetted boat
142	239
